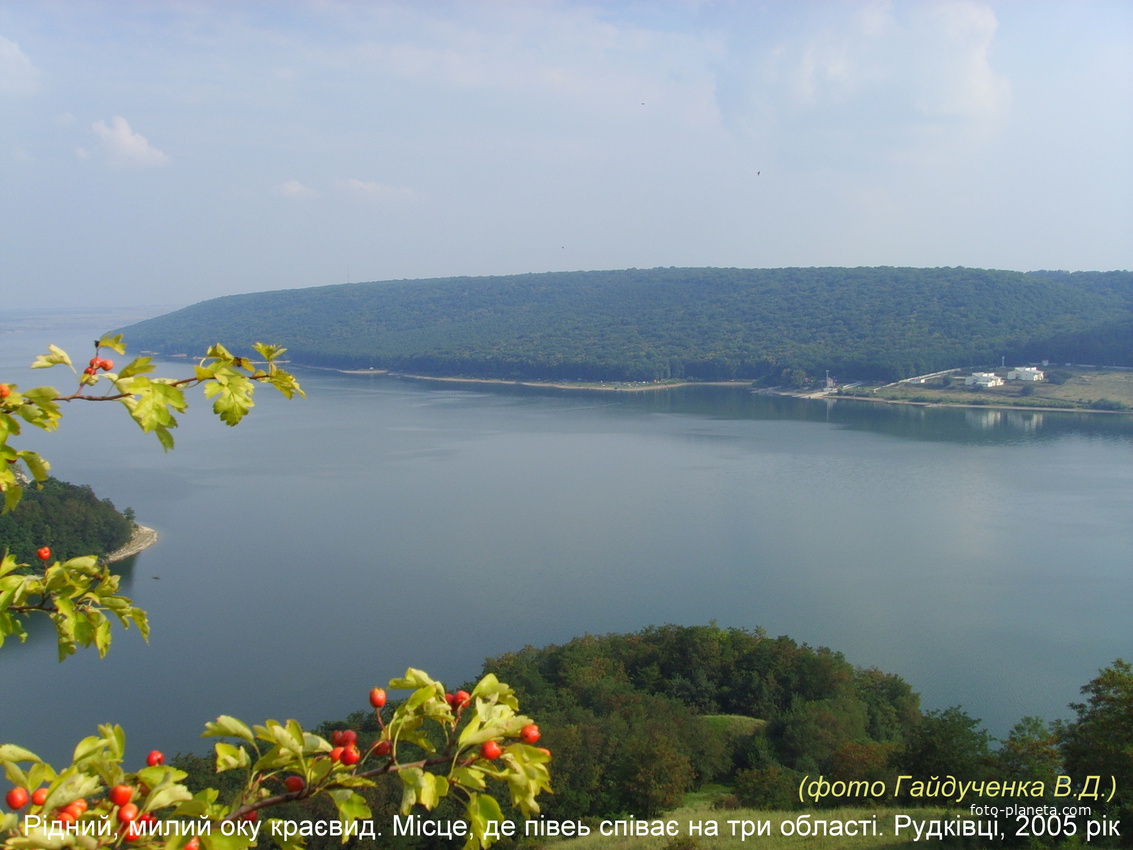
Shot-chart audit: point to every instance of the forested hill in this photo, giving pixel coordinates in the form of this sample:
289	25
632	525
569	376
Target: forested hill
67	518
641	324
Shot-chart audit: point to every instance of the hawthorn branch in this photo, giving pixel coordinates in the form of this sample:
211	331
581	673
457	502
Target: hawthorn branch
390	767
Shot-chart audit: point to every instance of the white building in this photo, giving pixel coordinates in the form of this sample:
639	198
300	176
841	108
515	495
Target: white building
1025	373
983	379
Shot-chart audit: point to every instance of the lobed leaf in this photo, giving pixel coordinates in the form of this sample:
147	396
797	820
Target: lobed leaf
54	357
114	343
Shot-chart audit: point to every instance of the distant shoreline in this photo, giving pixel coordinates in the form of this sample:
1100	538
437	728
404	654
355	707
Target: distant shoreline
1000	406
141	539
600	386
632	386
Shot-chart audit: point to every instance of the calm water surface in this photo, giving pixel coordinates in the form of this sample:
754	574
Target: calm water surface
326	544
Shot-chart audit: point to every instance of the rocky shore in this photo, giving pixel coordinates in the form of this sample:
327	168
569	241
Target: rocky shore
142	538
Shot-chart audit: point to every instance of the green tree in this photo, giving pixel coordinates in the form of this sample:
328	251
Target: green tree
442	747
1030	752
1099	740
947	743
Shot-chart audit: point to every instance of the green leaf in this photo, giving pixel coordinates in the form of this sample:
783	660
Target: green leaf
101	633
227	727
70	787
12	495
412	680
54	357
15	774
286	384
230	757
421	788
87	747
492	689
114	343
282	840
115	739
166	795
200	805
233	394
350	807
216	840
273	759
137	366
10	752
469	777
268	352
482	809
37	466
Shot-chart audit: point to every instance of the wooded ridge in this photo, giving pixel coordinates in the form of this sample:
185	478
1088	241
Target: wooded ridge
697	323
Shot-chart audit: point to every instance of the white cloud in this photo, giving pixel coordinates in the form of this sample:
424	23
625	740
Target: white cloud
294	189
903	80
956	77
377	190
17	74
125	147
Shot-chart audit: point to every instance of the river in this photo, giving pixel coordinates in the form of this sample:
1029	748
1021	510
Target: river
326	544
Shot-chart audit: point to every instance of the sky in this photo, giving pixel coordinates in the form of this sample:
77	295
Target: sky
162	153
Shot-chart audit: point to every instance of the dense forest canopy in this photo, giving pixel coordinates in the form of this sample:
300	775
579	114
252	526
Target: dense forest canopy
697	323
68	518
636	720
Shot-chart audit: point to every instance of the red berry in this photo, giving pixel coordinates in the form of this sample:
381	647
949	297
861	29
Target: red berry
5	390
90	370
43	553
63	816
76	808
250	816
155	758
451	700
120	795
336	754
128	813
39	796
461	698
529	734
336	738
133	831
382	748
350	755
545	752
349	737
490	750
194	843
294	784
106	365
17	798
377	697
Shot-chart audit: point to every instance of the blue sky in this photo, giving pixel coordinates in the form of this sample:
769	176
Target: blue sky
167	152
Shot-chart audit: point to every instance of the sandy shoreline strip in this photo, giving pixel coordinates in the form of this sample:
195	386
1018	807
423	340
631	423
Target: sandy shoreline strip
603	386
639	386
142	538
